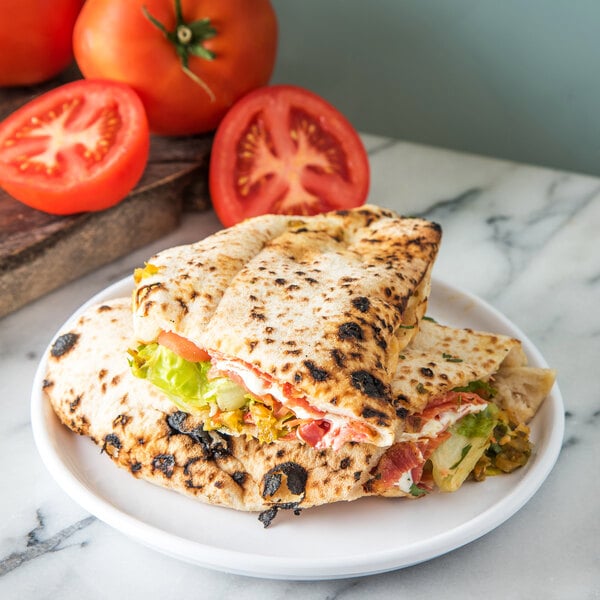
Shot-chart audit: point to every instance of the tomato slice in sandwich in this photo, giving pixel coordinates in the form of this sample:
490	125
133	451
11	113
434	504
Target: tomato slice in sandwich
182	346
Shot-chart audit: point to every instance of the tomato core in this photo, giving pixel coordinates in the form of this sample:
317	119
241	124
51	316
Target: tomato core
280	177
63	141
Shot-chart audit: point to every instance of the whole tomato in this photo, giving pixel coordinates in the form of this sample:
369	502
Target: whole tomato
188	60
35	39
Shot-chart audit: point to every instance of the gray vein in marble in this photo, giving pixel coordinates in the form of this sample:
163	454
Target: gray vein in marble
519	240
590	418
437	212
341	590
594	280
37	547
522	241
572	440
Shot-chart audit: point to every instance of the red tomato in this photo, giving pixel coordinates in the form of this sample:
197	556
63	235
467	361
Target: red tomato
182	347
229	47
283	149
35	39
80	147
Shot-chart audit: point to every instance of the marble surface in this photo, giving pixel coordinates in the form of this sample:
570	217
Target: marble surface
523	238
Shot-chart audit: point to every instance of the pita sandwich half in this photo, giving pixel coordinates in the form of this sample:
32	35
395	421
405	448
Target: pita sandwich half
463	394
292	326
92	390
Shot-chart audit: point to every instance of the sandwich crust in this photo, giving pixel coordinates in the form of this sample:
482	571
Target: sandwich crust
322	305
92	391
441	358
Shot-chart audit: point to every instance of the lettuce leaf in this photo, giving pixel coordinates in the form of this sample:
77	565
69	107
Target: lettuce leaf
455	458
186	383
481	388
478	424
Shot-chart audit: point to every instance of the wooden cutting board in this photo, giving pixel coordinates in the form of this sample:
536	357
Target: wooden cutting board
40	252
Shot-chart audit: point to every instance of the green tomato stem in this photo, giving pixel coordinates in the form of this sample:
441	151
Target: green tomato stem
188	38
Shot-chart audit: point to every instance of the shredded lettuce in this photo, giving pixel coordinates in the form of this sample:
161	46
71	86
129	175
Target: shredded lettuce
223	403
478	424
481	388
227	394
416	491
186	383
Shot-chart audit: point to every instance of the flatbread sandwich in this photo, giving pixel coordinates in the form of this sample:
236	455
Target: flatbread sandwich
450	431
285	327
92	390
461	391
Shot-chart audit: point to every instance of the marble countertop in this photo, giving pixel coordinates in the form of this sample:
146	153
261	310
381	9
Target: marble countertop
523	238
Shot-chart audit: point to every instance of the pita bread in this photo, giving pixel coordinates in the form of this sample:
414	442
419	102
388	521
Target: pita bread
522	389
321	306
93	392
437	361
441	358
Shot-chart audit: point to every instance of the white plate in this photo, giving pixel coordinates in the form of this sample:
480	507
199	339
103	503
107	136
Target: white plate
371	535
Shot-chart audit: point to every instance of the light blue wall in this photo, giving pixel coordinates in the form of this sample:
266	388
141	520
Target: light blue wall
506	78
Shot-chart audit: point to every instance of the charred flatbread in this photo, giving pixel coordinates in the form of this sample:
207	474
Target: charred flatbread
458	389
91	389
312	312
93	392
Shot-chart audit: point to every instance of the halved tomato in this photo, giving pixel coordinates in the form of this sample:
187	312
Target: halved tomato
80	147
283	149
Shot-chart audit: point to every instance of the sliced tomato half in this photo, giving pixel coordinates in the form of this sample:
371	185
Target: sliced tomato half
283	149
80	147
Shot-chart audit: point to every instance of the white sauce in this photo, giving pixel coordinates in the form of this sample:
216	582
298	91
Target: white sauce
432	429
444	420
405	482
260	387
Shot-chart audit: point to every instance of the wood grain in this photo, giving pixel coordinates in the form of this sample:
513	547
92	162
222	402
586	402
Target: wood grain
39	252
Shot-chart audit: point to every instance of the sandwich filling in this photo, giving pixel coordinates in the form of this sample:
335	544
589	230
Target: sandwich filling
460	433
236	398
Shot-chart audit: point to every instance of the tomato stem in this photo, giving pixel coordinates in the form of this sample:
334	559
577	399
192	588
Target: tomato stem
184	34
188	38
200	82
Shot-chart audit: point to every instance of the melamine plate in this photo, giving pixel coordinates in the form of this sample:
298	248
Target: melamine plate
371	535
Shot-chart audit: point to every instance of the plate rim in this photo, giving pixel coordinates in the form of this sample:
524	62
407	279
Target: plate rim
314	568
